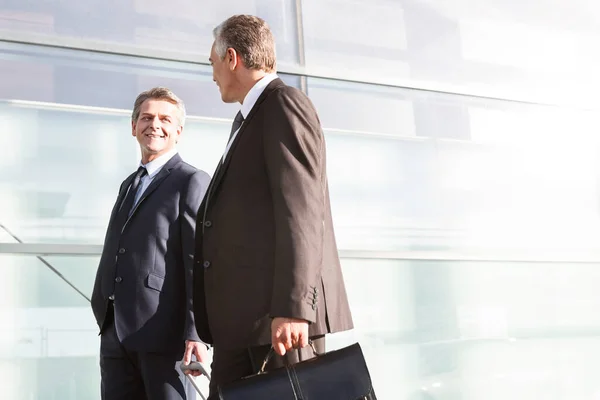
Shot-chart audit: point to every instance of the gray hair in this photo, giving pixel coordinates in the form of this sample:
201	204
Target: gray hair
158	93
251	38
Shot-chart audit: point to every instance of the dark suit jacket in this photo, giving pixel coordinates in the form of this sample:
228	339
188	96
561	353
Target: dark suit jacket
148	266
265	245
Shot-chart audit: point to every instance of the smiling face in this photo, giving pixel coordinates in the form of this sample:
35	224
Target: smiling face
157	128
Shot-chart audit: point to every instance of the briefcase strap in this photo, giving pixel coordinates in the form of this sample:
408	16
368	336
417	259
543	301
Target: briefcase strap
272	352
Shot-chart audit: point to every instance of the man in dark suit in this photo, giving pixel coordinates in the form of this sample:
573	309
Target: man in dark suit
143	290
267	269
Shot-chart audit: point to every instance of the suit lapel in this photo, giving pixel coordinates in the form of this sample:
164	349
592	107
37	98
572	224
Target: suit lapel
161	176
222	168
121	196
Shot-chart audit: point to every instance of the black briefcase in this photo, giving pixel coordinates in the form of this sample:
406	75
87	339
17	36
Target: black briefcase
335	375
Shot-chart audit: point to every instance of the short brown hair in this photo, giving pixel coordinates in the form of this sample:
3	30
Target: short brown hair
158	93
251	38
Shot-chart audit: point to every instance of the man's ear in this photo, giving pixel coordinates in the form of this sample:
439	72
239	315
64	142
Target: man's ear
179	132
133	128
232	58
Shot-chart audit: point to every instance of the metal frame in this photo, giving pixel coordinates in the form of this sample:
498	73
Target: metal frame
43	105
74	108
51	249
301	50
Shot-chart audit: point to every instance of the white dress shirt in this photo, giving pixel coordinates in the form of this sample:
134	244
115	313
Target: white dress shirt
152	169
249	102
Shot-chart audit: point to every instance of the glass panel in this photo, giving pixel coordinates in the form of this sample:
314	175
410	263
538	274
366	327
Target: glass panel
49	343
181	27
101	80
534	49
415	170
428	329
472	331
364	39
362	108
61	185
49	339
60	179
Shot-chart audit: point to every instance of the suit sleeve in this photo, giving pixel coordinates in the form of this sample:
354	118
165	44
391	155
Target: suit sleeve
294	157
189	209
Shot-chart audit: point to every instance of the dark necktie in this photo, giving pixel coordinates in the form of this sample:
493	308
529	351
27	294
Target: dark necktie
127	204
237	122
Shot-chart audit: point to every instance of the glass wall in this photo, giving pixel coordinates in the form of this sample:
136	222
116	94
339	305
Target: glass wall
469	226
535	49
414	169
48	340
181	28
477	330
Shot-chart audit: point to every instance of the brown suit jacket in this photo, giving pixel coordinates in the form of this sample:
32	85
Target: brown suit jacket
265	245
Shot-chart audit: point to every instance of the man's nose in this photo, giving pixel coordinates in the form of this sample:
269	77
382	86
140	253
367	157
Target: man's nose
155	123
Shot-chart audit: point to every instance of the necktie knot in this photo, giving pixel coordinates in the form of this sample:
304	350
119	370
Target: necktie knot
141	172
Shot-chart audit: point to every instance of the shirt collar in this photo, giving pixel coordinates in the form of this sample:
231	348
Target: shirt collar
255	93
154	166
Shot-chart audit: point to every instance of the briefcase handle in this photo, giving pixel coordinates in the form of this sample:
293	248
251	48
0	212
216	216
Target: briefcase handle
272	352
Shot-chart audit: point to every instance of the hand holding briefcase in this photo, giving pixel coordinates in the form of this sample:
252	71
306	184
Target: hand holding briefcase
336	375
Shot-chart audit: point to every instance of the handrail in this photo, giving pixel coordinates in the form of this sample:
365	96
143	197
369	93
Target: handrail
47	264
498	256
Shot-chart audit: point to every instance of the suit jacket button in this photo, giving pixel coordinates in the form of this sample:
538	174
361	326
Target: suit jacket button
206	264
118	279
121	251
207	224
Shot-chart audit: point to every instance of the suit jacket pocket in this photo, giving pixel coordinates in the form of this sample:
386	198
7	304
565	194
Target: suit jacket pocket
155	282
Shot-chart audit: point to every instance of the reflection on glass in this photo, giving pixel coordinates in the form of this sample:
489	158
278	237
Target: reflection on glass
60	179
414	170
53	75
362	108
178	26
441	330
363	39
472	331
500	49
49	339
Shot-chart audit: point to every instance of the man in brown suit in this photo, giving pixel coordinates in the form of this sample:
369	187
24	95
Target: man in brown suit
267	268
